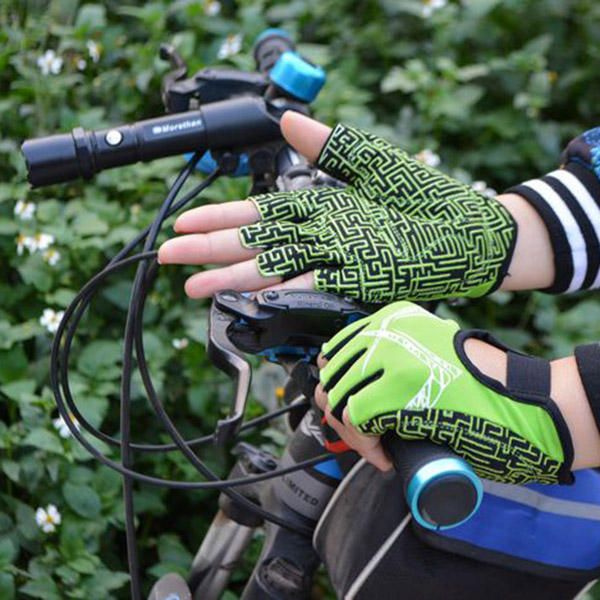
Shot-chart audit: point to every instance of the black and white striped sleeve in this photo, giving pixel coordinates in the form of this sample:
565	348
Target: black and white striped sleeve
568	200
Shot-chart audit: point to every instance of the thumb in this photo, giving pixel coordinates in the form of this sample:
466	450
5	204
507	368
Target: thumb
306	135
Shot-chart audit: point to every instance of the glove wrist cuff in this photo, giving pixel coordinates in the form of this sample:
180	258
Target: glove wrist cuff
528	380
568	202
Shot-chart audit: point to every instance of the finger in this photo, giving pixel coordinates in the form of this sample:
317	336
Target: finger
368	446
294	206
290	260
205	248
351	154
271	234
321	361
341	338
306	135
301	282
243	277
216	216
320	397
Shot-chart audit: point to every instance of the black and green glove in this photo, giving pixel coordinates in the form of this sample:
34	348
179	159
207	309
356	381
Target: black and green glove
405	370
399	230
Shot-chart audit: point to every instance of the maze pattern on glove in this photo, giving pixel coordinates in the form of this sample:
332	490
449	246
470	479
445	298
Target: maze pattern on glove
399	230
494	451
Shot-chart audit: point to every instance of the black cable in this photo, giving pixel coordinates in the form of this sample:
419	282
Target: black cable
127	373
218	484
133	339
174	433
62	358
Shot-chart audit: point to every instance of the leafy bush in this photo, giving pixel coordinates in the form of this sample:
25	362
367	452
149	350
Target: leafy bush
494	88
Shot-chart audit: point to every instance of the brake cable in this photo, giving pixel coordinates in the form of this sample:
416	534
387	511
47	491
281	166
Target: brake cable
66	404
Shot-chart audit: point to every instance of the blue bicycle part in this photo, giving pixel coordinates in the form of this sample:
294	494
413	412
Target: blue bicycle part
298	77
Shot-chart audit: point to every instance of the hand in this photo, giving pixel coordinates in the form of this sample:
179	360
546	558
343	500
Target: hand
584	150
398	230
368	446
405	370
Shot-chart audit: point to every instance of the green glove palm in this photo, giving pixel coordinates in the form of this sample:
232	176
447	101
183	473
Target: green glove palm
404	369
398	230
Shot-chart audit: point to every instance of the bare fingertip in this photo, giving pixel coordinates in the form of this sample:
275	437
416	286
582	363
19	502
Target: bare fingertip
190	290
321	361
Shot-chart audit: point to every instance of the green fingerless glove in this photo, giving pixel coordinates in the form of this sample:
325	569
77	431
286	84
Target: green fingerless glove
404	369
398	230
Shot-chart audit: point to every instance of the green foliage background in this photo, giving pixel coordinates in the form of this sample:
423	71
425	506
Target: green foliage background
496	88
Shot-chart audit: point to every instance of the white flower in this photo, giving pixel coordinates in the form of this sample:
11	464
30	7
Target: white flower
50	63
25	210
482	188
48	518
93	50
180	344
61	426
430	6
429	157
51	256
232	45
25	242
43	241
51	319
81	64
212	8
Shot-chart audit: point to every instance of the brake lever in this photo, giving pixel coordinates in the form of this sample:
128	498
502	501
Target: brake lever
286	327
226	357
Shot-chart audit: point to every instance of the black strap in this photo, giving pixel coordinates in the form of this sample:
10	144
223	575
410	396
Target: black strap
528	377
588	365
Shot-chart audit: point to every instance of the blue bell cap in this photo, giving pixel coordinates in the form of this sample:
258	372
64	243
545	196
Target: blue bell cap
298	77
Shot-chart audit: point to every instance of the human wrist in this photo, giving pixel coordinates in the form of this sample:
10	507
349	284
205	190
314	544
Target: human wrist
569	395
568	202
532	265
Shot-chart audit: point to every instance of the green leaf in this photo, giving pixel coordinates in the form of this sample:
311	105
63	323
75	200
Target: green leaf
7	586
89	223
398	79
98	358
26	524
36	272
82	499
42	587
170	549
91	16
61	297
17	390
8	552
8	227
44	440
6	523
11	469
109	580
13	363
84	564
